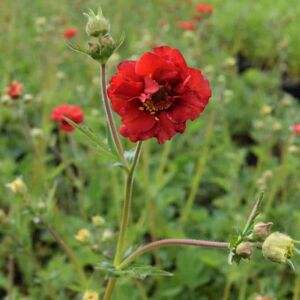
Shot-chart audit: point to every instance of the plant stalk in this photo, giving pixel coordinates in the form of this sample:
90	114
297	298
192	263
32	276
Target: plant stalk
109	116
124	220
171	242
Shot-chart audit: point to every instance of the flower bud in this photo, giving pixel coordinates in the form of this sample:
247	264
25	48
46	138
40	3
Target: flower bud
262	230
107	235
98	221
107	45
90	295
83	235
244	249
17	186
28	98
97	25
278	247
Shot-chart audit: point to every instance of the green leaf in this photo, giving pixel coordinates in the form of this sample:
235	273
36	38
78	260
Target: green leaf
87	132
135	271
78	49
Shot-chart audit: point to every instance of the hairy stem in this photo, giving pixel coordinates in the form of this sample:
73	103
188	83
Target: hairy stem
124	220
171	242
109	115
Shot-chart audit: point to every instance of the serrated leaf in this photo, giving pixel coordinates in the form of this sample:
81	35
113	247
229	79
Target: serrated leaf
135	271
87	132
141	272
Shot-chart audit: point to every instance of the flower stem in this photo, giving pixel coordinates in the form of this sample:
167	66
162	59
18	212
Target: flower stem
171	242
126	207
109	115
202	160
124	220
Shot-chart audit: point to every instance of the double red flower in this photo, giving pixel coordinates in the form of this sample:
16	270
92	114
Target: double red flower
205	8
157	94
72	112
296	128
14	89
186	25
70	32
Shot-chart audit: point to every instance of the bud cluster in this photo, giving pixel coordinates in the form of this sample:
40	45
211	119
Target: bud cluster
277	247
98	27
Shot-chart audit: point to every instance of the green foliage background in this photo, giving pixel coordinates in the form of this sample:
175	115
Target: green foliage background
200	185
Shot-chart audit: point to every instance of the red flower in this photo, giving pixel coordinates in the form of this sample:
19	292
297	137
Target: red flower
186	25
157	94
14	89
70	32
72	112
296	128
205	8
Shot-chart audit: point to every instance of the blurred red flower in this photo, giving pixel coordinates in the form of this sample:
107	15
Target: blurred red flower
186	25
14	89
72	112
296	128
70	32
205	8
157	94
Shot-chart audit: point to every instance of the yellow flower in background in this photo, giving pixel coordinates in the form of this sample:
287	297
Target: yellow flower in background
90	295
83	235
17	186
266	109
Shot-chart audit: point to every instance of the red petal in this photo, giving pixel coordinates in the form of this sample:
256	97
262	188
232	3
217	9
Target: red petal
199	83
148	64
188	107
166	128
151	86
171	54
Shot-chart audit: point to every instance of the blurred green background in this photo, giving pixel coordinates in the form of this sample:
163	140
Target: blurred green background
200	185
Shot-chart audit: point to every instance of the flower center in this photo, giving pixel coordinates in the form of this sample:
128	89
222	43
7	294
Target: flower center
158	101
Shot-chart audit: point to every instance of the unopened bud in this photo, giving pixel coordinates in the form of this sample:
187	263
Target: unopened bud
17	186
278	247
98	221
262	230
97	25
90	295
107	45
107	235
244	249
27	98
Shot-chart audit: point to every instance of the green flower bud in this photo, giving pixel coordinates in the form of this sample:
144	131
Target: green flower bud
97	25
244	249
108	46
278	247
